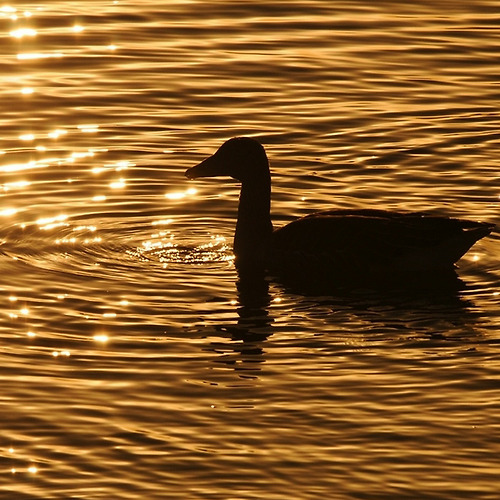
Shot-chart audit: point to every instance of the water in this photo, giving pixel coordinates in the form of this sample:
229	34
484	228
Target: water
134	363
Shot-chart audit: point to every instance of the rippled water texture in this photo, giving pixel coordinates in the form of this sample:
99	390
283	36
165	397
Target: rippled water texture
135	363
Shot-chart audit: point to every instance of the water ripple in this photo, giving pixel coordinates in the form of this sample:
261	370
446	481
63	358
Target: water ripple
136	361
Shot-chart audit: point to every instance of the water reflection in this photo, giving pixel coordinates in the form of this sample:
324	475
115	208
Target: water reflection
273	317
22	32
7	212
179	195
29	56
431	311
254	323
8	186
245	352
162	247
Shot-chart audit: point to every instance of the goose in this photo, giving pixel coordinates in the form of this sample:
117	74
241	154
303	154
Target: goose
368	242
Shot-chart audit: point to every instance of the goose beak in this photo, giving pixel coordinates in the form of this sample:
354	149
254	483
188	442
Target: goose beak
210	167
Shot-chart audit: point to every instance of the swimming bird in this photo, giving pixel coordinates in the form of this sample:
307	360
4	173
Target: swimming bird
368	242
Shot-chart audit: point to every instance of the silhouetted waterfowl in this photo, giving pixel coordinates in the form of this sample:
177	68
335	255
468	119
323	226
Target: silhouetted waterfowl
368	242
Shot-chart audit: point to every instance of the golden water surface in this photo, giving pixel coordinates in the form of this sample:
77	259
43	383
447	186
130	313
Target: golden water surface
132	364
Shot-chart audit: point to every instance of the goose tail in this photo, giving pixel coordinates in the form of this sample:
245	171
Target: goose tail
471	233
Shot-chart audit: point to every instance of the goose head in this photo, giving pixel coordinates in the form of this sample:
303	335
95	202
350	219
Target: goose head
241	158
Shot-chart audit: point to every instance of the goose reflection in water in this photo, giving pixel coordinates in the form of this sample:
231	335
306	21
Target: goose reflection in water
431	316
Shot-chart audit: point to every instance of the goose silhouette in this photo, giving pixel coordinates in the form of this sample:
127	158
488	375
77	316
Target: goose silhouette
366	242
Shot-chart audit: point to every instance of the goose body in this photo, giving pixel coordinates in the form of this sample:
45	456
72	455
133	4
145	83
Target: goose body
366	241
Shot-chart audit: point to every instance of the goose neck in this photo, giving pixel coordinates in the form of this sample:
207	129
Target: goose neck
254	227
